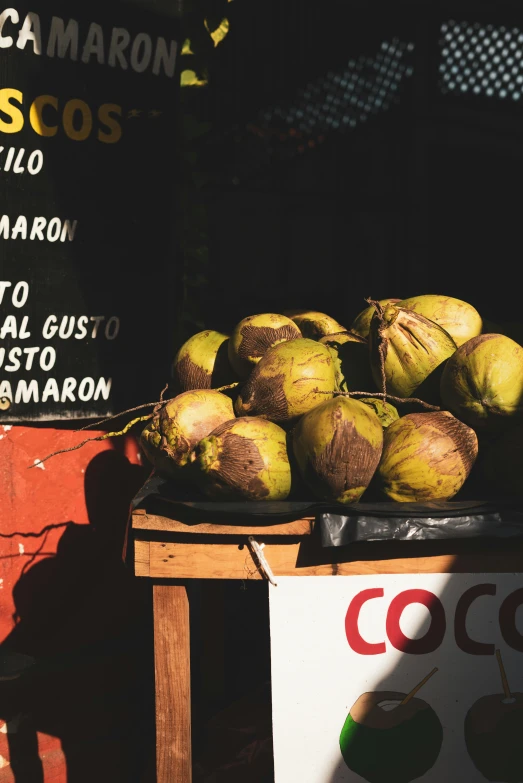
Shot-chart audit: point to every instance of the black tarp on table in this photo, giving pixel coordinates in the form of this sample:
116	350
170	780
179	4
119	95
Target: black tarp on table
341	525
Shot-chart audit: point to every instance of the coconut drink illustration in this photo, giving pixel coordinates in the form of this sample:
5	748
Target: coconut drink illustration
391	737
494	732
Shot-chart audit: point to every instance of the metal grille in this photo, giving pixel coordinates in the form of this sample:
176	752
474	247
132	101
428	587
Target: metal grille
328	106
338	101
482	60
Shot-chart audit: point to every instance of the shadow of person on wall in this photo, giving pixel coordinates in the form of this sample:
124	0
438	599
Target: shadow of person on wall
78	663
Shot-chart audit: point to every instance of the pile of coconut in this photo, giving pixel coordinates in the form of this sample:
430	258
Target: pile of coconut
296	405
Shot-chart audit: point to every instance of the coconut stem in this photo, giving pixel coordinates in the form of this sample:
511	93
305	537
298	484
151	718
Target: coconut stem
381	344
155	405
414	691
376	305
382	396
229	386
89	440
503	674
116	416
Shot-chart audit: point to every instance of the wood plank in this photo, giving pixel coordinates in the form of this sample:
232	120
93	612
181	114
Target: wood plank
172	684
141	558
234	561
144	521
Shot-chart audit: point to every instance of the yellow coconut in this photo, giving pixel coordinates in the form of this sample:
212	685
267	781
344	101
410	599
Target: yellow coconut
385	412
244	459
254	335
168	439
426	456
460	319
352	361
361	324
408	348
482	384
291	379
202	362
337	447
314	325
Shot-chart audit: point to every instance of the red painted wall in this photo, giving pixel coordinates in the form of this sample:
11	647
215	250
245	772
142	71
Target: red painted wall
83	711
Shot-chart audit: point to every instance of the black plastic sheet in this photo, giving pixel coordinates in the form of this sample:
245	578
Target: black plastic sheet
341	525
421	522
162	496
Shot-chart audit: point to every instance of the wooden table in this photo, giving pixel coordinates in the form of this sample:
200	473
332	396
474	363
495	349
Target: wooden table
170	552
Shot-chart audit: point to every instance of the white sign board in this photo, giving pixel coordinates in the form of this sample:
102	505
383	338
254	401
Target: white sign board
348	655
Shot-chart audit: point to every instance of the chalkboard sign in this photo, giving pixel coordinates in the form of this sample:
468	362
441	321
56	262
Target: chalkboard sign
87	141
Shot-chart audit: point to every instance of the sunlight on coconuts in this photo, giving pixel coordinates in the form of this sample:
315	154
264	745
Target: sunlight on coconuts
396	407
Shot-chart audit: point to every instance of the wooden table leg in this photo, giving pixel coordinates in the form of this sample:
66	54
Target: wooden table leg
172	684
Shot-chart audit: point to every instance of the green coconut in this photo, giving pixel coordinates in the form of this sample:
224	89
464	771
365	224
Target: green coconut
168	439
460	319
385	412
244	459
361	324
337	447
352	363
291	379
254	335
426	456
314	325
482	384
386	739
202	362
408	348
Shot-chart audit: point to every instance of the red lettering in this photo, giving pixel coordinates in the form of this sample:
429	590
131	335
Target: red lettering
434	636
437	628
354	638
507	620
463	640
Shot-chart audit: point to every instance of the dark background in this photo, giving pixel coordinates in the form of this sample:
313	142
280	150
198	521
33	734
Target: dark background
317	202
